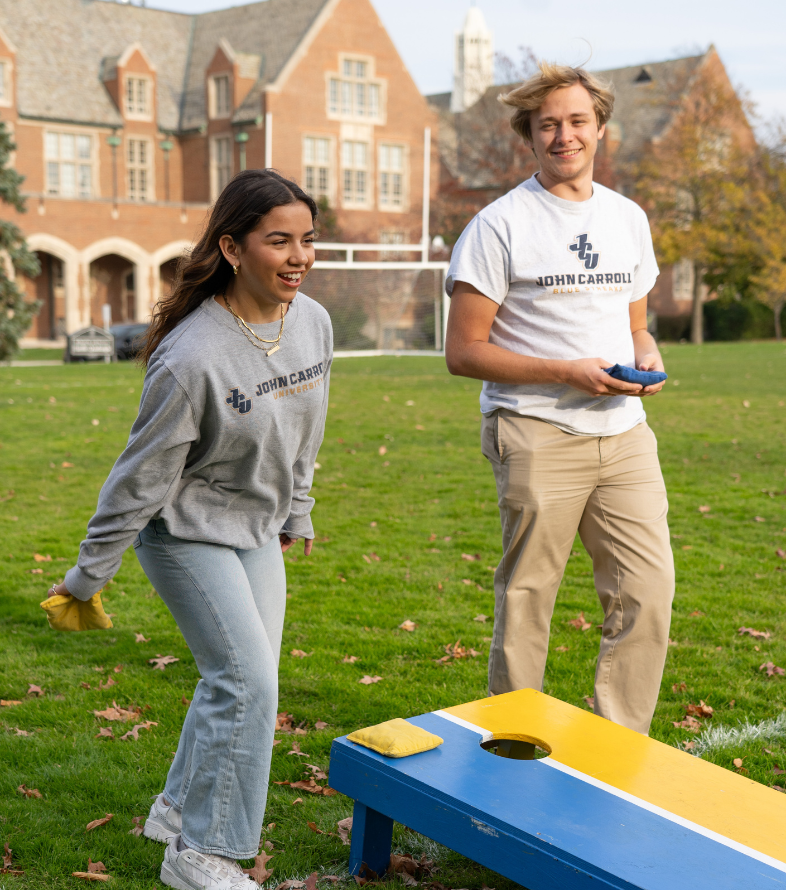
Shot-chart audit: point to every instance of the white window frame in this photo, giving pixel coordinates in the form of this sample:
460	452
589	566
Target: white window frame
65	159
386	174
6	83
135	169
354	172
319	170
348	93
213	96
682	277
132	112
216	186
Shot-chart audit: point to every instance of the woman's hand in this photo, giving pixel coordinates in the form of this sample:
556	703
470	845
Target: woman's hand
287	542
57	590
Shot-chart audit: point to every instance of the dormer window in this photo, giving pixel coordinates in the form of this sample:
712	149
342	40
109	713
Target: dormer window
138	97
355	94
220	96
5	82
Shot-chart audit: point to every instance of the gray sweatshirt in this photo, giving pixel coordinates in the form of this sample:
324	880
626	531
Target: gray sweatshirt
224	445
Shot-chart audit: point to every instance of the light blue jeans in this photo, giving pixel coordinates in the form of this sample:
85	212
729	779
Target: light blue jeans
229	605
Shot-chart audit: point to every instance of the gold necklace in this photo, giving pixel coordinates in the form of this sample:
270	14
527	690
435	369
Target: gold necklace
246	330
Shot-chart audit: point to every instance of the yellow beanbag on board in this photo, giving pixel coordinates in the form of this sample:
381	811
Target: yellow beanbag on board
69	613
395	738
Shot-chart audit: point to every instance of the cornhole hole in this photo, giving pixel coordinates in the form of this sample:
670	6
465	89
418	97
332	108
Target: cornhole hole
606	808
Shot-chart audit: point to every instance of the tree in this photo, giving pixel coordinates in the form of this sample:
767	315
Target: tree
768	231
693	179
16	313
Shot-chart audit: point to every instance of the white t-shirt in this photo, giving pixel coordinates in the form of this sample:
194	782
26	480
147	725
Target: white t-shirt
563	274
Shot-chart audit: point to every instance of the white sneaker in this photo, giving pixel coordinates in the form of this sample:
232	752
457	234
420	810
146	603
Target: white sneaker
163	822
189	870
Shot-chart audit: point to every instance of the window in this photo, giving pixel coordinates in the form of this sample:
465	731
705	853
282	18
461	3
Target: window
682	280
391	176
316	166
391	237
138	97
353	94
69	164
354	163
221	163
221	100
138	169
5	83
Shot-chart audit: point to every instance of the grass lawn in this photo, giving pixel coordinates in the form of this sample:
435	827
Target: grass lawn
391	529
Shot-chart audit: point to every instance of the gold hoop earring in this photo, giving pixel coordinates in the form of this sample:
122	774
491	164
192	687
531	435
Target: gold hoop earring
236	268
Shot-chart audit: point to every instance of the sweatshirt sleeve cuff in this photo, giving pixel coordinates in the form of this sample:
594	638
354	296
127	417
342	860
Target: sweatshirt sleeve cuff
80	585
299	527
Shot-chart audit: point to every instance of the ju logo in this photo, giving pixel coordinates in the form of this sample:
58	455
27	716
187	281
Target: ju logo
583	249
239	401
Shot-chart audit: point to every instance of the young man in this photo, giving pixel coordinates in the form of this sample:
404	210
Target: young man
549	287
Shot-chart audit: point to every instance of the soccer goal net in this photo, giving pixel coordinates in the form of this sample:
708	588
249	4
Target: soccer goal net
379	308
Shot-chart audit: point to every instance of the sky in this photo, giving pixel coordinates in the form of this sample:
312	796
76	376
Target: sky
750	36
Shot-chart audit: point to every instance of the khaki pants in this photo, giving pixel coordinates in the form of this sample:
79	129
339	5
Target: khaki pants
551	484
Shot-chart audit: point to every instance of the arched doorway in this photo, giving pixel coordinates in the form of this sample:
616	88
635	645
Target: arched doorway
167	272
49	289
112	283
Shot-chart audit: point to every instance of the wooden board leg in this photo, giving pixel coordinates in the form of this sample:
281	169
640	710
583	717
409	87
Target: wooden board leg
372	834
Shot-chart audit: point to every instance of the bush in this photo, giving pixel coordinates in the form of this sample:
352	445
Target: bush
738	320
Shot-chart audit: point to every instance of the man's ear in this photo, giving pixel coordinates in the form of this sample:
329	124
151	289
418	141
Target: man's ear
601	131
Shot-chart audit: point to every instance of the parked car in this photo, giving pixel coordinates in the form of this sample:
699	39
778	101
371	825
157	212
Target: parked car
128	339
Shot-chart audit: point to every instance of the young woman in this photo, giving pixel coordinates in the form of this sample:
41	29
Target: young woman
211	489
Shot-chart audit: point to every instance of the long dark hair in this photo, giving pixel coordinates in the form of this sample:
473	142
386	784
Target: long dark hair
205	272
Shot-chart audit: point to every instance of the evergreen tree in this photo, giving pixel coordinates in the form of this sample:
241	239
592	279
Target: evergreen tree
16	313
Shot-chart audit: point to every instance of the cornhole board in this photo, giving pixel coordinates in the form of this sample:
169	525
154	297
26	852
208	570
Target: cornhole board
607	808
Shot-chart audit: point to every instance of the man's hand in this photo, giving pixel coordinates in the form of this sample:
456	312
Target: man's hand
287	542
587	375
651	362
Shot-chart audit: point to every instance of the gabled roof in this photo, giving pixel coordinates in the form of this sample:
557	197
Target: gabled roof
645	99
64	45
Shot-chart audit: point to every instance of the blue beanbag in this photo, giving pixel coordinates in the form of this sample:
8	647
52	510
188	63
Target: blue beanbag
631	375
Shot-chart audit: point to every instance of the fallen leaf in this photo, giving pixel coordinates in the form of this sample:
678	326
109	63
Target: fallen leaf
258	872
297	800
38	557
470	557
589	700
140	638
296	750
368	559
99	668
117	668
563	648
89	876
320	724
456	650
687	546
105	733
8	703
35	690
311	881
778	771
408	625
29	792
772	669
291	885
344	827
466	581
97	823
756	634
350	659
185	701
8	868
374	557
759	519
704	509
688	746
36	571
66	465
767	751
481	618
313	827
699	710
139	825
19	731
161	661
133	733
311	786
696	614
95	868
689	723
109	682
679	687
121	714
317	771
781	552
737	762
382	450
299	653
580	623
85	685
367	681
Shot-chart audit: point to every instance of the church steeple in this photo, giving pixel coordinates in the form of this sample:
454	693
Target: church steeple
473	71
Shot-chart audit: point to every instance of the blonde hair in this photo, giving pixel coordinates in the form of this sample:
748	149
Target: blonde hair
533	93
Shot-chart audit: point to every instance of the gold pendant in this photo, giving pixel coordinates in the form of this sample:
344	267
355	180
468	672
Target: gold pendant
274	349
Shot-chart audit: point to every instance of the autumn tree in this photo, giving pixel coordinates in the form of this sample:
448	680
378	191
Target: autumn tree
16	313
692	180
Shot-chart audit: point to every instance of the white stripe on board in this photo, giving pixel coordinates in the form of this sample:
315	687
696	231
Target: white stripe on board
637	801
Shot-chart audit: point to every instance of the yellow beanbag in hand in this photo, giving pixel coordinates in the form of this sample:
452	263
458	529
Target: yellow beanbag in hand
395	738
69	613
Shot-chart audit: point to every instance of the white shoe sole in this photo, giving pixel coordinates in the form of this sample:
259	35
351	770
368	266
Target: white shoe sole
172	879
159	831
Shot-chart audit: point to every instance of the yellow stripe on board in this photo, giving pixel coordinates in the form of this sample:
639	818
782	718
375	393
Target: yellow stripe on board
715	798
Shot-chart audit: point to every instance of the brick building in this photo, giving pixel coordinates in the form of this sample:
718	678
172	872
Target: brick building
129	121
